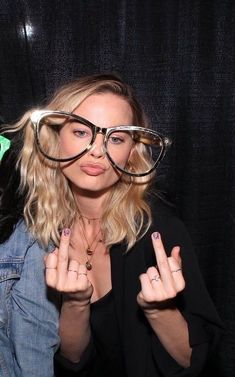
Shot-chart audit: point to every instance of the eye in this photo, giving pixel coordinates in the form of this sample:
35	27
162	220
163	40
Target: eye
80	133
116	139
120	137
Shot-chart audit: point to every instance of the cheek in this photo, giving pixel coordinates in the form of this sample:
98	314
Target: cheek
65	148
121	160
67	170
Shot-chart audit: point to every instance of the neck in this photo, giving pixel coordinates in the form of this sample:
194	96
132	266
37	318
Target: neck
90	206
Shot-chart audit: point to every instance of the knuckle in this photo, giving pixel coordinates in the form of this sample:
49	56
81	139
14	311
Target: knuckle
181	286
62	258
50	283
172	293
82	286
163	263
60	287
149	298
152	269
142	276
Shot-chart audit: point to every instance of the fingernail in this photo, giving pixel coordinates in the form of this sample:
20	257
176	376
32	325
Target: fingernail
66	232
156	235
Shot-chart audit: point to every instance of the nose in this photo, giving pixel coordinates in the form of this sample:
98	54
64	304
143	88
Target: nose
97	149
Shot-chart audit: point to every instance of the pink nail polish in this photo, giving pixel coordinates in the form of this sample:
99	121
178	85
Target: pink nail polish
156	235
66	232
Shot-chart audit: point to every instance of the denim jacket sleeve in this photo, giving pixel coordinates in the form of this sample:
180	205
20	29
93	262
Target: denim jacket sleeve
33	318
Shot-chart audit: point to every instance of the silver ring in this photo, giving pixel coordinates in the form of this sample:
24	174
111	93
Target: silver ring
50	268
73	271
155	278
82	273
178	269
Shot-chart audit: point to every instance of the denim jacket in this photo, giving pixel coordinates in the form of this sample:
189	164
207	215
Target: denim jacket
28	316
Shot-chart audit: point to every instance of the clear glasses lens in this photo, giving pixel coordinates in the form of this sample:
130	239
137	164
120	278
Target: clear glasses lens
63	136
142	150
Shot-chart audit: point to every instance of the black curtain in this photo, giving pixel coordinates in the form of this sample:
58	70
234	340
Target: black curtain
180	58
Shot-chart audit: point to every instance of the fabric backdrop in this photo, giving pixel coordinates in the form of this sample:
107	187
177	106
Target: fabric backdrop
180	58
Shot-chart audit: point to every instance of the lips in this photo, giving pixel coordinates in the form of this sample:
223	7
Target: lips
92	169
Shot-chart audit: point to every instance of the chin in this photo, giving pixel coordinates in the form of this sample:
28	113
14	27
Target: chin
94	185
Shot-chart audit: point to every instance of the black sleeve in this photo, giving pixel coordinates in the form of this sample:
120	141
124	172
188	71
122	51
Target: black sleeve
194	302
65	367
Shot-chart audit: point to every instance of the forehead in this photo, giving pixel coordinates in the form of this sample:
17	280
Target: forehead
106	110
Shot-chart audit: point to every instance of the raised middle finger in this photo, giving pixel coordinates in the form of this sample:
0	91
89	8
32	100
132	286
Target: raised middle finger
162	262
63	257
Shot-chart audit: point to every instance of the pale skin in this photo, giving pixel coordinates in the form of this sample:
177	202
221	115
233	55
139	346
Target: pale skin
65	267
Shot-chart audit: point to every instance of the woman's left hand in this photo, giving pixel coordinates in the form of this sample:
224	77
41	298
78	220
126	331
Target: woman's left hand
160	284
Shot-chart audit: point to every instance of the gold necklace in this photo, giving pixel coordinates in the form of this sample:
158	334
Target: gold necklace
89	251
89	219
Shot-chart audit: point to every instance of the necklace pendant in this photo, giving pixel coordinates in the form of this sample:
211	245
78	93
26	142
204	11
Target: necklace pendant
88	265
89	251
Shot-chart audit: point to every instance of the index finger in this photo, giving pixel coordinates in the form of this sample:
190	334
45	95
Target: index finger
51	269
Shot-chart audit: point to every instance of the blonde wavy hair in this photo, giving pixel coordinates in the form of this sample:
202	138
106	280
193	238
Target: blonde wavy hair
50	205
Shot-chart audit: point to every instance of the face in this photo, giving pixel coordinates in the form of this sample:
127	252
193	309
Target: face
93	172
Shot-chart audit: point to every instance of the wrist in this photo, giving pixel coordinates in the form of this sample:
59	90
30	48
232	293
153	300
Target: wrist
157	310
152	313
69	301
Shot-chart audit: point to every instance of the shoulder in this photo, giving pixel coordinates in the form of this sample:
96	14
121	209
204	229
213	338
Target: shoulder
164	214
18	243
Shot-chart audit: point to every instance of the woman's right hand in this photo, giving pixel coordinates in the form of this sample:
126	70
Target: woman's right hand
67	276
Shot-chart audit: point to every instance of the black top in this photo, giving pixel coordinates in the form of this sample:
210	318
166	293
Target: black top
108	361
143	353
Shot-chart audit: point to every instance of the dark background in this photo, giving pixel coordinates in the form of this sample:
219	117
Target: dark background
180	58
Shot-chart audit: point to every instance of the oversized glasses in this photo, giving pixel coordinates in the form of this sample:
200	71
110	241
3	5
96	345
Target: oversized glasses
63	137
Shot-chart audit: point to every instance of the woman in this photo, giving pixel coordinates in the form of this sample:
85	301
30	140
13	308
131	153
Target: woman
122	273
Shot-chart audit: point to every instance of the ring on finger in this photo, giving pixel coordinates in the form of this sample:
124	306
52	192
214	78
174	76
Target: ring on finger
155	278
178	269
82	273
70	270
50	268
